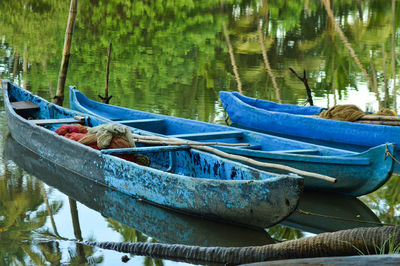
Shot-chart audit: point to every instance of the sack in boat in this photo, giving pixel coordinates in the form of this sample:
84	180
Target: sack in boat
105	133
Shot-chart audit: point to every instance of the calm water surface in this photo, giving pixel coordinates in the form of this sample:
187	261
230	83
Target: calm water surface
173	59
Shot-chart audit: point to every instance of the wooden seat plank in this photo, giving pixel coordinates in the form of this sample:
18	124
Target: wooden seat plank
77	119
25	106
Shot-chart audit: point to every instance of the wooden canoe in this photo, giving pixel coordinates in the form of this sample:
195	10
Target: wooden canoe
185	180
161	224
298	122
357	173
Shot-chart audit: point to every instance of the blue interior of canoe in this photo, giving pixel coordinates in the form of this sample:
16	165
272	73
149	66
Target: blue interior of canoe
176	159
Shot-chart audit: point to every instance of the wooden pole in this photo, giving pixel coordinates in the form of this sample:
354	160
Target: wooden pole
183	142
266	165
59	98
106	99
192	144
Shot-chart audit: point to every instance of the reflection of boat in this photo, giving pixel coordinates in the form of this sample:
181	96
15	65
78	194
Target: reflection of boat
163	225
357	173
322	212
180	178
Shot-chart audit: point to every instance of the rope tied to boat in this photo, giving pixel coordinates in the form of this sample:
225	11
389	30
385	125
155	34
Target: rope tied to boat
389	154
300	211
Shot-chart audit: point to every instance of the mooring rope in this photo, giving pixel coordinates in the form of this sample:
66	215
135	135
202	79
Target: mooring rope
340	218
387	153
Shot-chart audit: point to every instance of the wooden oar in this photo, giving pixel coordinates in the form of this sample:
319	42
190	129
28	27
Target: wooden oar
262	164
202	146
184	142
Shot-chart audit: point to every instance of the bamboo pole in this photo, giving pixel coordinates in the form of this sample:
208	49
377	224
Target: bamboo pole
262	164
107	99
195	145
145	141
59	98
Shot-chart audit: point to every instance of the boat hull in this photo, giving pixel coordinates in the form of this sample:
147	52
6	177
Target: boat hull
160	224
235	201
296	122
357	173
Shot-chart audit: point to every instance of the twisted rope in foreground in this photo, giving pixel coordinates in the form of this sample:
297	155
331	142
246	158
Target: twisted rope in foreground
370	240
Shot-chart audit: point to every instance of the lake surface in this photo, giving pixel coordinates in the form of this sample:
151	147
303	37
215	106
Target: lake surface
173	59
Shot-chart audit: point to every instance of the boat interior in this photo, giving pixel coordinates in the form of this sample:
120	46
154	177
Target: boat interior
198	131
174	159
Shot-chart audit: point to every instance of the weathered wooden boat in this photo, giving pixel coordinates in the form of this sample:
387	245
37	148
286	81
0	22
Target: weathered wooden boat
298	122
179	178
357	173
161	224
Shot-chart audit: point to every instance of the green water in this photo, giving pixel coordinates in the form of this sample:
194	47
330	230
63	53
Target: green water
173	57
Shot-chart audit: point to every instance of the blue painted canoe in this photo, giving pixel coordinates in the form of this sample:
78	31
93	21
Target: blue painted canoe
161	224
296	122
186	180
357	173
317	212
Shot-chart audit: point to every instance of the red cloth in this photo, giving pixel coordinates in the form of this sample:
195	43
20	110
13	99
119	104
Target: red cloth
115	143
65	129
